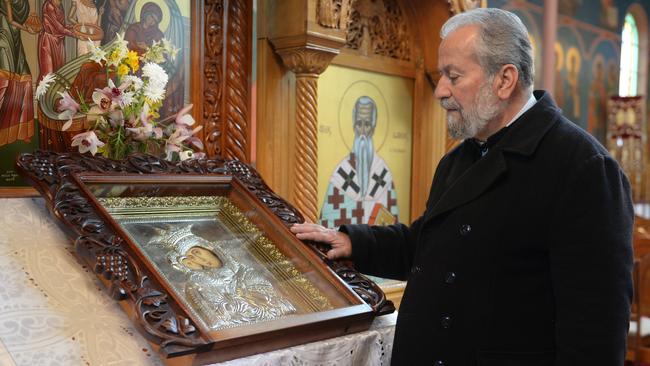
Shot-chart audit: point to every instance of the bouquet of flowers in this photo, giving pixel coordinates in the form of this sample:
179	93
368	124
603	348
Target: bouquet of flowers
123	115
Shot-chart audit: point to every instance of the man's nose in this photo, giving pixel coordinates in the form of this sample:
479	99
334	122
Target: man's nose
442	89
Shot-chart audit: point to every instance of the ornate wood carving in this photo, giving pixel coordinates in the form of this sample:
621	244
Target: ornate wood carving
333	13
212	70
103	250
305	191
226	69
306	60
307	64
378	27
459	6
236	106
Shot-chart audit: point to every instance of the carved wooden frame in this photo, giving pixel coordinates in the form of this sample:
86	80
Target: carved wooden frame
170	329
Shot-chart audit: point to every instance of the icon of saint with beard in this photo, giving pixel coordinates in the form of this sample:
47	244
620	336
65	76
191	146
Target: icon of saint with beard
361	188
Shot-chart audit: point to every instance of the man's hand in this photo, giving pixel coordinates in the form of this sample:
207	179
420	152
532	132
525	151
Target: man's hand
340	242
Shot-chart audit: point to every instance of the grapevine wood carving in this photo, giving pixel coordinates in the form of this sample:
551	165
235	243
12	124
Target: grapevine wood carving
307	64
213	76
333	13
104	251
378	27
225	85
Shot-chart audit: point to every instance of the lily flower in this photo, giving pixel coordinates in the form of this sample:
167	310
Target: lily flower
141	133
96	54
87	141
182	118
68	108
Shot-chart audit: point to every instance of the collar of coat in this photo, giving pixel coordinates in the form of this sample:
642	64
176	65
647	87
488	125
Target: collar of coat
525	134
523	137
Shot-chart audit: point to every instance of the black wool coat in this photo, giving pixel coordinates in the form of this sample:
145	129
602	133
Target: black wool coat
522	257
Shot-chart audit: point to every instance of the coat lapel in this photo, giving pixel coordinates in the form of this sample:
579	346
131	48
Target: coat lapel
523	138
476	180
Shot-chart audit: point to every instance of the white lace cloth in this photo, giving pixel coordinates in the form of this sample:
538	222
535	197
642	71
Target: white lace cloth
53	310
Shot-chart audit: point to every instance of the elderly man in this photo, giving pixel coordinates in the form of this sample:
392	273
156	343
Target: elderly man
523	255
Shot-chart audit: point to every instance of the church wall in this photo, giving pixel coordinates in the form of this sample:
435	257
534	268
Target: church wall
587	52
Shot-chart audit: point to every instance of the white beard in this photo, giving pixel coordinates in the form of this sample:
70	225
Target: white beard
363	153
467	123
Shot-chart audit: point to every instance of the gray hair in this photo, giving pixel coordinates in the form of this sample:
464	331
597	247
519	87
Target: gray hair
504	40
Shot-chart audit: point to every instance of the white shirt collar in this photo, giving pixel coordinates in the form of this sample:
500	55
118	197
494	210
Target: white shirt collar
529	104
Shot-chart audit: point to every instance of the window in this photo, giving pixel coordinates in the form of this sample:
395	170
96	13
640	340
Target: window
629	58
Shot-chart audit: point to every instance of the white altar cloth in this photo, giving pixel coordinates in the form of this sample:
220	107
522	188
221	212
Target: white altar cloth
54	311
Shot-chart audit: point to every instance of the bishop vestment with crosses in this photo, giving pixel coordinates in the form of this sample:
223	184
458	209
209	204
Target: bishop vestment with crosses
346	202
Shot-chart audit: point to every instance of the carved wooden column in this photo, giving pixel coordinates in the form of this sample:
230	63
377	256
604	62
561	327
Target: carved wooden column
306	34
223	44
307	62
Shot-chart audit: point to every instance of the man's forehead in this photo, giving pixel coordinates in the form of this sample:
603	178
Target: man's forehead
457	51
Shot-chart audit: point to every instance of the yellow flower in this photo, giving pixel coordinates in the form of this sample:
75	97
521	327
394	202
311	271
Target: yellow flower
133	60
122	70
115	57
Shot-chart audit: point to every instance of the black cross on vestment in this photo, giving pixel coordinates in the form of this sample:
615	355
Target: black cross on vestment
349	180
379	181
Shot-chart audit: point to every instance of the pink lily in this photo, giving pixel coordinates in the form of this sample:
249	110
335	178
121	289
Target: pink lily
111	96
141	133
87	141
182	118
68	108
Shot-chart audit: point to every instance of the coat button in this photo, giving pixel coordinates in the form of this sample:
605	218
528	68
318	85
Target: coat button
415	270
450	277
445	322
465	229
438	363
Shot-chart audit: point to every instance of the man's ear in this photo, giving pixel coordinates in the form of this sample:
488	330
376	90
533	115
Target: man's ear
506	81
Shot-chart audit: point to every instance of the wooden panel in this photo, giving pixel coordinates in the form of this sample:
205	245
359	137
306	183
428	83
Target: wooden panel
276	110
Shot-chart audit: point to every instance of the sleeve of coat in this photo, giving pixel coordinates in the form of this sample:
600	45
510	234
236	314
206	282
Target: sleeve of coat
385	251
590	253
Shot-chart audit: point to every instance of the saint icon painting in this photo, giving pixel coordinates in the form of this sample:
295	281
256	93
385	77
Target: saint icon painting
361	188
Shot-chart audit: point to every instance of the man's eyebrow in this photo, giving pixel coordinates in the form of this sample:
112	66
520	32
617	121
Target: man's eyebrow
447	69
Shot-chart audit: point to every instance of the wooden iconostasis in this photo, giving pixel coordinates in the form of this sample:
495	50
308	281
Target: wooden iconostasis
324	64
311	62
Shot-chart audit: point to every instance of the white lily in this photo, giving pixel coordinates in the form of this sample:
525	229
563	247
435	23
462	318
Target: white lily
96	54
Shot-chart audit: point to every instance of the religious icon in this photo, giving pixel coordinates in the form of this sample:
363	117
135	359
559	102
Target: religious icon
225	289
597	112
573	65
16	109
199	258
361	184
222	266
